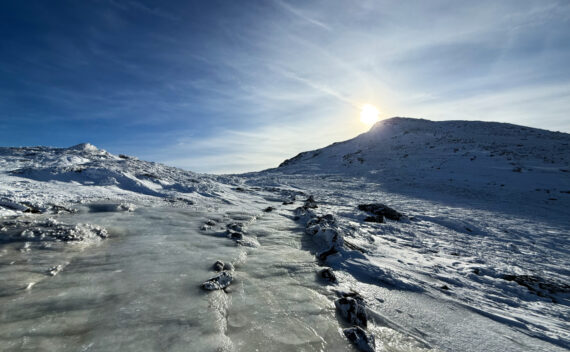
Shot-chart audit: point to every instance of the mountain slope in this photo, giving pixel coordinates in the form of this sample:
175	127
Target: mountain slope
469	158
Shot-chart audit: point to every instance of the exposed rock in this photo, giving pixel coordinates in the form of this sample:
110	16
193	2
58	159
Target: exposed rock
328	274
363	340
236	227
376	218
218	265
352	310
323	255
539	286
310	203
51	230
268	209
235	235
229	267
379	209
218	282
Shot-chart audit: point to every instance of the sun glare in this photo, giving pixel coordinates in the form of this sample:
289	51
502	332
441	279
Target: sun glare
369	114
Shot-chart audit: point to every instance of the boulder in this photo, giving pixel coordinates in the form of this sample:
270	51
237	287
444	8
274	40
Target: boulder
379	209
363	340
352	310
218	265
218	282
328	274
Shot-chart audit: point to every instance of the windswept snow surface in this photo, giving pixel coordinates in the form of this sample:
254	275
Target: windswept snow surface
101	252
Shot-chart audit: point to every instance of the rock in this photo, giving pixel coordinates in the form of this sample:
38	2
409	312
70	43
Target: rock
235	235
310	203
381	210
361	339
229	267
218	282
288	202
268	209
218	265
540	286
237	227
323	255
328	274
376	218
352	310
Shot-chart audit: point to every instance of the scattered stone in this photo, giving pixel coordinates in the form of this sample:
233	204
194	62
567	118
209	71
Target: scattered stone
376	218
218	265
310	203
235	235
51	230
379	209
539	286
218	282
328	274
363	340
322	256
236	226
268	209
352	310
53	271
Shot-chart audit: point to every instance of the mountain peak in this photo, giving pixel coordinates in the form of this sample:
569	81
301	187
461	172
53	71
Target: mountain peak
85	147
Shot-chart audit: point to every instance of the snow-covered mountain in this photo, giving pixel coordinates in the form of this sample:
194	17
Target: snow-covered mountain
414	236
485	159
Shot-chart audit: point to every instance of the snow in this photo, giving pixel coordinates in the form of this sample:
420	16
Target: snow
105	252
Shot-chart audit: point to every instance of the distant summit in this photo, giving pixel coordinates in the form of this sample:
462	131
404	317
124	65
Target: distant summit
85	147
444	155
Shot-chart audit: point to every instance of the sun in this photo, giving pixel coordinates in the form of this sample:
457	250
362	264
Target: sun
369	114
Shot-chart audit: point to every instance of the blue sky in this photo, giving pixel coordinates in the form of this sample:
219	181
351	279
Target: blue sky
232	86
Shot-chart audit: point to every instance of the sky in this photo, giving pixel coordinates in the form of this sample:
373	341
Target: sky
234	86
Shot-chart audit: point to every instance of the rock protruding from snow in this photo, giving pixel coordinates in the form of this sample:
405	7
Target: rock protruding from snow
51	230
84	147
380	212
218	282
218	265
363	340
328	275
310	203
352	309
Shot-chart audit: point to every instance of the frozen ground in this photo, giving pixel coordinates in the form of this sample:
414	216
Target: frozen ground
101	252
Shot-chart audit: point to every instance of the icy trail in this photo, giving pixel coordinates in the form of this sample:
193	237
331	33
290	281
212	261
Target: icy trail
478	262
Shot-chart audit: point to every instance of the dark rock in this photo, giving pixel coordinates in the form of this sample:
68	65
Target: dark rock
310	203
218	282
218	265
229	267
234	235
376	218
268	209
539	286
325	254
352	310
328	274
288	202
361	339
381	210
444	287
236	226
